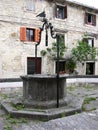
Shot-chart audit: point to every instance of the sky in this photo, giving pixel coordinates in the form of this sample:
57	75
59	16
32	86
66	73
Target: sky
92	3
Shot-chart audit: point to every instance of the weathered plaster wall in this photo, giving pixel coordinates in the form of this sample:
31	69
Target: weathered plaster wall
13	53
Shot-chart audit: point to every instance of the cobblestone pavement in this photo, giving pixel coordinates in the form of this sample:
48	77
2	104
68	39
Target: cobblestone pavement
83	121
87	120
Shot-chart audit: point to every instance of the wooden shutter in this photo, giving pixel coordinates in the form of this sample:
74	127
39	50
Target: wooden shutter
37	35
38	71
92	42
65	12
94	20
22	33
86	18
56	11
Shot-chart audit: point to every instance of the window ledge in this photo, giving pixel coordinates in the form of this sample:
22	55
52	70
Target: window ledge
61	20
89	25
30	42
29	10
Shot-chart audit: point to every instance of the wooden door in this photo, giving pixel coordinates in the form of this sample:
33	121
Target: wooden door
33	65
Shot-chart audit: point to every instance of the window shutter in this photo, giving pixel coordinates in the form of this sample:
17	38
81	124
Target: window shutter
37	35
92	42
86	18
65	12
94	20
22	33
56	11
30	5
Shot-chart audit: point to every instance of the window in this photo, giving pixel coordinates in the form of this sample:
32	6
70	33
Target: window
61	67
30	5
62	38
90	19
89	41
29	34
90	68
26	34
61	12
61	52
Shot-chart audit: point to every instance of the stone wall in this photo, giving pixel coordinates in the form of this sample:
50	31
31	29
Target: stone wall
14	53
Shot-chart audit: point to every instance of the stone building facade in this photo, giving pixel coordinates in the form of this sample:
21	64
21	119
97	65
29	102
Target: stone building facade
17	57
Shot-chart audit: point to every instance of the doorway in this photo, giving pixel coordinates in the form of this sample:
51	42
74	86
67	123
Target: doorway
90	68
61	67
33	65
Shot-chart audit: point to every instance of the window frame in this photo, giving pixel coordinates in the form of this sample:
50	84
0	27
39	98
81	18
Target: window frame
90	19
86	40
61	35
25	34
30	37
30	5
64	13
62	66
91	69
61	62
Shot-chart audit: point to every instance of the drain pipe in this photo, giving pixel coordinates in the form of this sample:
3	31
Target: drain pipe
58	70
36	52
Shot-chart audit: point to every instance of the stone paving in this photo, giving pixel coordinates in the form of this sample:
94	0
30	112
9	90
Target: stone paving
87	120
83	121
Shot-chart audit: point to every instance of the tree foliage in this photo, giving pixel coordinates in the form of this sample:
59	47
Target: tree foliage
52	52
83	52
70	65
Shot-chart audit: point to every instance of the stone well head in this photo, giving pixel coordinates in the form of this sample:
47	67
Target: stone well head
40	91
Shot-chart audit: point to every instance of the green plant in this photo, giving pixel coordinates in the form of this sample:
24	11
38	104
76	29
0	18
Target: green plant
18	106
89	99
5	96
8	127
70	65
14	120
63	114
76	113
70	88
52	52
84	109
83	52
10	121
86	102
43	52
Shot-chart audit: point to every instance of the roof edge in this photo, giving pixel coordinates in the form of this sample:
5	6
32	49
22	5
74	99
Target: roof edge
81	4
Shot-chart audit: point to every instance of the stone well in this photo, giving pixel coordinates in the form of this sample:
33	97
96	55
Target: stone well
40	91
